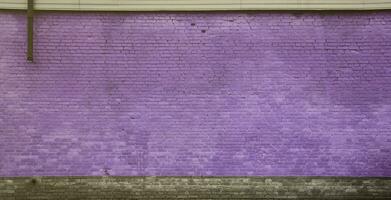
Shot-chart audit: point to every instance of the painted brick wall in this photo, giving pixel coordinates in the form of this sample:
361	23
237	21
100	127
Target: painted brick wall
267	93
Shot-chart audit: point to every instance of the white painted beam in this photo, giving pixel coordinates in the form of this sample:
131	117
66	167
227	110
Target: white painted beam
197	5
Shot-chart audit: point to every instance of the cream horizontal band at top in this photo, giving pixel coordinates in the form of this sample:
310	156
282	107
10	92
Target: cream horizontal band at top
197	5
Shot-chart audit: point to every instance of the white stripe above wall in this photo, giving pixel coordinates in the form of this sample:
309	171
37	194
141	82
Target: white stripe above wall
197	5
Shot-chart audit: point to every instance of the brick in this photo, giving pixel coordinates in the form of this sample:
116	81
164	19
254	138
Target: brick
196	94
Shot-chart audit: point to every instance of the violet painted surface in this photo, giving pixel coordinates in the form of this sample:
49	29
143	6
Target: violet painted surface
275	94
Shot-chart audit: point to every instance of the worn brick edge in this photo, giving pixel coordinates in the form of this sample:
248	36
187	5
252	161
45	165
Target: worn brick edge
165	187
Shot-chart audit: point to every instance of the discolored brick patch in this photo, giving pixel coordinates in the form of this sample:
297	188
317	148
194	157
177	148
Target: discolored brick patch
194	188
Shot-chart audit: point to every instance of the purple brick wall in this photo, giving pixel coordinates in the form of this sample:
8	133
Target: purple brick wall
196	94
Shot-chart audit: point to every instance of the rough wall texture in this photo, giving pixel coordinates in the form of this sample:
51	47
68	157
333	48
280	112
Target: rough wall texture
196	94
104	188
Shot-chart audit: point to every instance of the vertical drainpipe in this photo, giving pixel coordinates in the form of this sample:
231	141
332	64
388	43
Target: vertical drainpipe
30	30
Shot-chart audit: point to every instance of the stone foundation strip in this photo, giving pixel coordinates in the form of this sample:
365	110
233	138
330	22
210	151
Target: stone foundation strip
194	188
